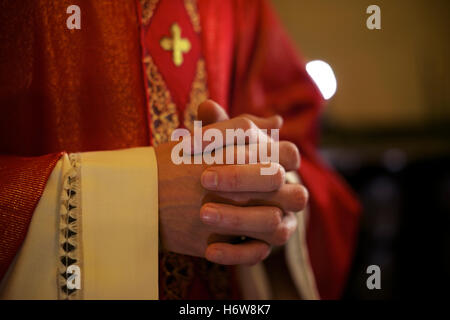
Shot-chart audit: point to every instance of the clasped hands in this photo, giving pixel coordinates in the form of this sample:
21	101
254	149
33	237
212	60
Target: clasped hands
203	208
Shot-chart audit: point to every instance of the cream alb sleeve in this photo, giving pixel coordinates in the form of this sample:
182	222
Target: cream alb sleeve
94	233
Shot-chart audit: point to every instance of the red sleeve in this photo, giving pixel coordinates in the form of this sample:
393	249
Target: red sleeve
22	181
270	78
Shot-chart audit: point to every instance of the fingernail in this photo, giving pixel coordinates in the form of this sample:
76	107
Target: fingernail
210	215
210	179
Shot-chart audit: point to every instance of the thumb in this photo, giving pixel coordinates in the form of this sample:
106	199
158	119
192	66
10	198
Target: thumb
211	112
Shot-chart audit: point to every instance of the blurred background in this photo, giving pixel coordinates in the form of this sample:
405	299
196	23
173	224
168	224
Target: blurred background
387	131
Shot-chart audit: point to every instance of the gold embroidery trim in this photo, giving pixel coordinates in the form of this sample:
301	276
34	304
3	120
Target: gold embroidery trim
199	93
191	8
178	272
148	8
163	111
218	279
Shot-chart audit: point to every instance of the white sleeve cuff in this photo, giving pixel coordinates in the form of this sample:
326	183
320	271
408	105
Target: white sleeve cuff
119	198
98	213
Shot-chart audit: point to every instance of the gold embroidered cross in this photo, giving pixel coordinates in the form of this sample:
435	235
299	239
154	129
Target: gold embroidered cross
176	43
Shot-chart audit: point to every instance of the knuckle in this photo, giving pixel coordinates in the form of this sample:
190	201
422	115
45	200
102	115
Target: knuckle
277	179
245	116
282	236
245	123
275	220
292	153
300	195
306	195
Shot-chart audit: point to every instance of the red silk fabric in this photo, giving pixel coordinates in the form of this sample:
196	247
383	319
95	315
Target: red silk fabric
60	89
22	181
72	90
84	90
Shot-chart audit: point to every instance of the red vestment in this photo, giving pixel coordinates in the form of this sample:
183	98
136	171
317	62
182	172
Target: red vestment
84	90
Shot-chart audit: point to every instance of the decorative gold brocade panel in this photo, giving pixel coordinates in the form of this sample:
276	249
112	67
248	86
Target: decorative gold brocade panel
199	93
178	271
163	112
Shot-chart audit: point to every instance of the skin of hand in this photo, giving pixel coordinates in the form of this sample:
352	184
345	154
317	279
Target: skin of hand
233	200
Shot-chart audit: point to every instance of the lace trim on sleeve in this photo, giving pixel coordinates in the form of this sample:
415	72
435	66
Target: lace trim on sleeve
70	254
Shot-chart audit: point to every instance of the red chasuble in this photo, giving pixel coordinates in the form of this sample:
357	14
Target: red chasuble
135	71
